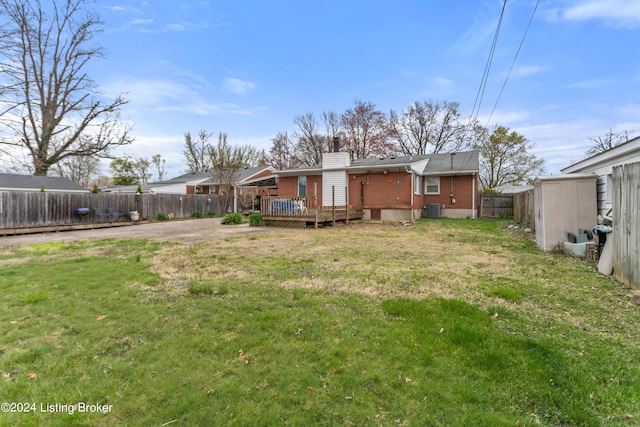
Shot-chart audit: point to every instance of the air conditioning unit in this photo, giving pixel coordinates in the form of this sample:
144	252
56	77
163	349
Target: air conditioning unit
432	210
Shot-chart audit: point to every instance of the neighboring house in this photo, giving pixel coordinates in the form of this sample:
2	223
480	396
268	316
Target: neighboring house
513	189
602	165
394	188
208	182
214	184
243	191
51	184
183	184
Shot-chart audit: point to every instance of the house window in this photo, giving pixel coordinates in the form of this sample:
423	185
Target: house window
302	186
416	184
432	185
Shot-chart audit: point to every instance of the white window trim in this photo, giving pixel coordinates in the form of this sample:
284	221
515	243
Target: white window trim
426	185
417	185
305	185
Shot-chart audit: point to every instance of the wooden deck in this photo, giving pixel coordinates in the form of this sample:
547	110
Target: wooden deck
300	212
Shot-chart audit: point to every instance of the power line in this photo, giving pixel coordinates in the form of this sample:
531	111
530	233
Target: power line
514	61
487	68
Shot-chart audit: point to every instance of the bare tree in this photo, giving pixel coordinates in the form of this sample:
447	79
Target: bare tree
431	127
142	167
331	122
281	154
227	160
366	131
310	142
158	162
506	159
51	108
197	151
79	169
606	142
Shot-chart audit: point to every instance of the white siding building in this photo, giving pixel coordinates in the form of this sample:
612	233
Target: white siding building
602	165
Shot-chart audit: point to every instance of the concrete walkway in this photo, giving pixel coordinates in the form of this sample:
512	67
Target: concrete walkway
182	231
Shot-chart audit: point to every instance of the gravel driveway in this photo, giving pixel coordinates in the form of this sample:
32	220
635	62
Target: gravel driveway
183	231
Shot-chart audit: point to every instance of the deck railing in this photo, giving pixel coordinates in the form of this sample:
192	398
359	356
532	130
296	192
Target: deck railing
282	206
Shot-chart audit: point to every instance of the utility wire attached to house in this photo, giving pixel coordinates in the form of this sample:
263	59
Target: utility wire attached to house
483	83
513	62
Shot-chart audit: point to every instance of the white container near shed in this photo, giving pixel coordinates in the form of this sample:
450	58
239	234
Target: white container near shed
134	215
563	203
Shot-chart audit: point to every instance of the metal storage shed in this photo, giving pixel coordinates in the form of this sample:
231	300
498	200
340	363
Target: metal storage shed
563	203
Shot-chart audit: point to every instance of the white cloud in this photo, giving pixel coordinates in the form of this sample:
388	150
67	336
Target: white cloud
442	81
475	36
589	84
118	8
238	86
620	13
141	21
560	143
175	27
166	95
526	70
504	118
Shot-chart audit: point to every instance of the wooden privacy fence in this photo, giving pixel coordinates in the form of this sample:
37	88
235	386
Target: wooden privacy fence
180	206
32	210
626	224
495	205
523	208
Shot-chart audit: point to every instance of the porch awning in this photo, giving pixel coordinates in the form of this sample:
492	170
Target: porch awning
269	181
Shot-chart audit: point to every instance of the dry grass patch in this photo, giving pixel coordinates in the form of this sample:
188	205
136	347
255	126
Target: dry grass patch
381	261
476	262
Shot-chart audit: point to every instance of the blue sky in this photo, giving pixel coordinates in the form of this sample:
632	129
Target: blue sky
248	67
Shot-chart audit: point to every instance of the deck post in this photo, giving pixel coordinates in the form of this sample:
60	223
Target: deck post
315	195
346	191
333	204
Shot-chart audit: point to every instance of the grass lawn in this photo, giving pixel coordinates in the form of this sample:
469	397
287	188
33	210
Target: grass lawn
445	323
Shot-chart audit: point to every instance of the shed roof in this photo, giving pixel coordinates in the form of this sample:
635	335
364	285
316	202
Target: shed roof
565	177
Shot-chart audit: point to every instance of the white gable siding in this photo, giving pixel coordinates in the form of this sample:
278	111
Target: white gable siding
338	180
335	160
168	189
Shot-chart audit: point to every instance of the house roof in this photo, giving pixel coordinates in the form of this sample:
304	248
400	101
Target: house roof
187	177
460	163
629	150
242	175
11	182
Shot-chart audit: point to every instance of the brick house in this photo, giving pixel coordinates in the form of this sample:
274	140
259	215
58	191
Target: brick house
242	192
393	189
